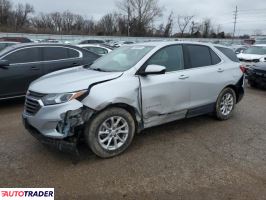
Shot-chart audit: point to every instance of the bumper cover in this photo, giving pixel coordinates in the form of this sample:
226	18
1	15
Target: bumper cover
240	91
68	145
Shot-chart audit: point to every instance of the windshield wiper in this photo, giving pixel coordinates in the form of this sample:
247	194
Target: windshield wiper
88	65
98	69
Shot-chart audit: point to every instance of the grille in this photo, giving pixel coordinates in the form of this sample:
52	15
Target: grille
32	105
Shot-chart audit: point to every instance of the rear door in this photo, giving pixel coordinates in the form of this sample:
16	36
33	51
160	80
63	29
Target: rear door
25	67
206	75
165	97
57	58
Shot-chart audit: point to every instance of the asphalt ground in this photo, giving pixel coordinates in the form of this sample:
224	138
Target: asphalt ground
198	158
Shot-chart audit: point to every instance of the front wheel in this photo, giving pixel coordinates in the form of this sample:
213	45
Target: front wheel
225	104
110	133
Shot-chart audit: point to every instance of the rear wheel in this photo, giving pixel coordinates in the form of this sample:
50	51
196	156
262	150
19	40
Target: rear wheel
225	104
111	132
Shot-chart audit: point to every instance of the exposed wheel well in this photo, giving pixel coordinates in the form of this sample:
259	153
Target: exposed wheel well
236	91
136	116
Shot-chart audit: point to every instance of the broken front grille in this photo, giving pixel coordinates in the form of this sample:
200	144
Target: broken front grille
32	105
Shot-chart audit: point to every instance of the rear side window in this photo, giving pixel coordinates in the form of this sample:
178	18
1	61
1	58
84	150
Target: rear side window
228	53
199	56
24	56
55	53
73	53
215	58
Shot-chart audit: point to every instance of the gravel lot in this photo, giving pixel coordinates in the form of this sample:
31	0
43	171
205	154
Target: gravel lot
198	158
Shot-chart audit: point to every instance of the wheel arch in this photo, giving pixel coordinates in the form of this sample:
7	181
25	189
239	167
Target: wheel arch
238	88
133	112
239	92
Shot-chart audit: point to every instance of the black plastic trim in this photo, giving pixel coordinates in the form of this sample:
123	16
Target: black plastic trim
194	112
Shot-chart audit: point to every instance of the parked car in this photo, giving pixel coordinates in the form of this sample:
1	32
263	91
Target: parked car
257	75
121	43
130	89
21	64
15	39
92	42
4	45
50	40
253	55
239	50
96	48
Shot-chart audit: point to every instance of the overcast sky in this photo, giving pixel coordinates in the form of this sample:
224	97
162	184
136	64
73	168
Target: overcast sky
251	15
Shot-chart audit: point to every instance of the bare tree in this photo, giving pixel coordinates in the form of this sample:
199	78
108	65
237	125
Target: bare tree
206	27
107	24
169	26
43	23
5	10
21	15
89	26
57	21
141	13
183	22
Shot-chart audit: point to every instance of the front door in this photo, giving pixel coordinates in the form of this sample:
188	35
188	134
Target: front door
165	97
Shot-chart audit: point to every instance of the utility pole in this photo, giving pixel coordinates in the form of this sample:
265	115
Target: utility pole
128	21
235	20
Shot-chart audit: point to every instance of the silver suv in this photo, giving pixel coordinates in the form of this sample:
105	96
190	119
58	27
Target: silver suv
132	88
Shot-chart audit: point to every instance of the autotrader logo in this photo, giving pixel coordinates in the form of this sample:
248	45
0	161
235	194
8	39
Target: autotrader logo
27	193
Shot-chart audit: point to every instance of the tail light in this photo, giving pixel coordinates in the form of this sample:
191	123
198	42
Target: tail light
243	68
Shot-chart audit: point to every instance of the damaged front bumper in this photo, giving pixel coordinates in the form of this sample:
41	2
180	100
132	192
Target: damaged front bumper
68	145
58	125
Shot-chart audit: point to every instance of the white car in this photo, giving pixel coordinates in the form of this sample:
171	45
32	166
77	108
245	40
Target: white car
254	54
133	88
96	48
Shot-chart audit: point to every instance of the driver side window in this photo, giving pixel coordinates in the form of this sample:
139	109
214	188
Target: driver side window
170	57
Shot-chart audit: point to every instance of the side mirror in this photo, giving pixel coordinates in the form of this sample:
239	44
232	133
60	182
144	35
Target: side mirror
4	64
153	69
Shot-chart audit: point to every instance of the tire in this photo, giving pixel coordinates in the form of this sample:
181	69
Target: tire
101	129
225	102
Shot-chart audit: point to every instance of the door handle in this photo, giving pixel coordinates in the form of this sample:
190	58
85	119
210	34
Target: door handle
75	64
220	70
182	77
35	68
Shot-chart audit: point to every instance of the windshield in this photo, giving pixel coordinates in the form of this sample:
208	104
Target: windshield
256	50
121	59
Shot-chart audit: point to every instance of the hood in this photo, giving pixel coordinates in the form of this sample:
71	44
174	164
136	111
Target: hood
70	80
250	56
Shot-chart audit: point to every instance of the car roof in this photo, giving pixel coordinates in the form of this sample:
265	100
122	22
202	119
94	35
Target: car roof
89	45
25	45
166	43
95	45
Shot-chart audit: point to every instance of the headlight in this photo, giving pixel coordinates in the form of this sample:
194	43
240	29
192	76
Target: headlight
52	99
